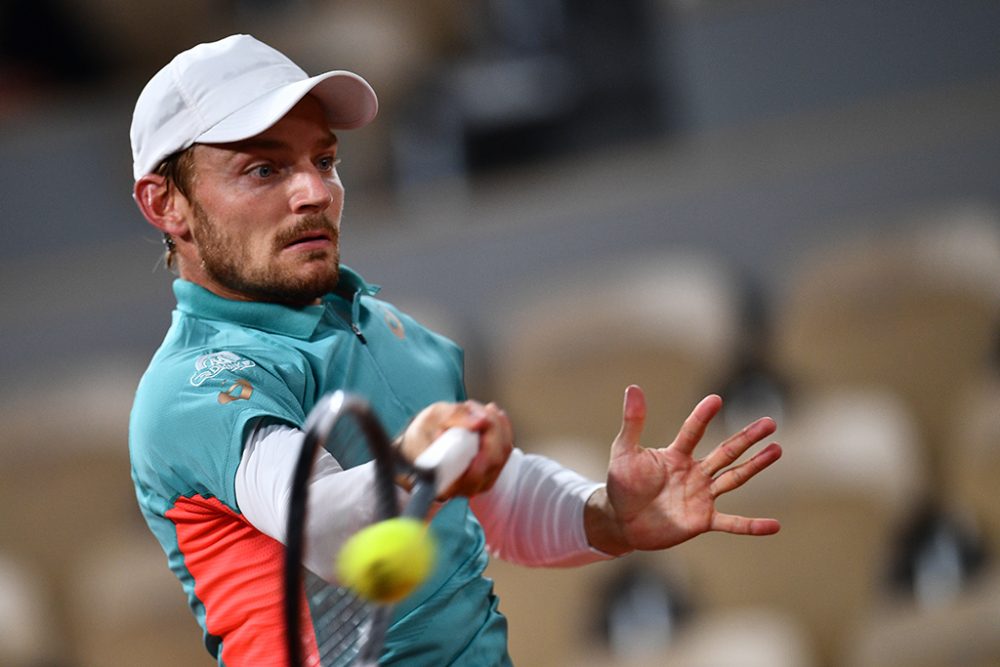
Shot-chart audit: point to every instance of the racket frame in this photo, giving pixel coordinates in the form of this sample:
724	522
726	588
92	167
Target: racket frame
432	473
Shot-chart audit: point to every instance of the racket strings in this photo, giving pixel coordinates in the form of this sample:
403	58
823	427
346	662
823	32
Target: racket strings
347	630
341	620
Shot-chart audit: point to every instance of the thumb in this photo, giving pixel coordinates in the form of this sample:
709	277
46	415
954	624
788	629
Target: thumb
633	420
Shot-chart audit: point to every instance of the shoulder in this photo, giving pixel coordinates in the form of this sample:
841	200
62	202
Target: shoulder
420	329
183	376
194	405
414	334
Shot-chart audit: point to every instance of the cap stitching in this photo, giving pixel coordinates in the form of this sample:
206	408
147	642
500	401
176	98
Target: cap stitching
187	97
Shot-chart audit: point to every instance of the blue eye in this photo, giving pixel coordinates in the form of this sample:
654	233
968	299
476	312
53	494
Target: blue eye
263	171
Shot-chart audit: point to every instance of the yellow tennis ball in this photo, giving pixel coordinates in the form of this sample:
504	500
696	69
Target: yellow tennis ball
385	561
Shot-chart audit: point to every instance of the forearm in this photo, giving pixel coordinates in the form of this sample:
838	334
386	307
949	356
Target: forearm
535	514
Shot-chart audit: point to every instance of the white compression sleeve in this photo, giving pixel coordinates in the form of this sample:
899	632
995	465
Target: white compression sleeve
337	505
533	515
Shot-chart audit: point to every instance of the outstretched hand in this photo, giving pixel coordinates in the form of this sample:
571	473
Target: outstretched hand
657	498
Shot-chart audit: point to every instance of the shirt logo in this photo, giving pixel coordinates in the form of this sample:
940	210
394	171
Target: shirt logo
210	365
241	390
395	326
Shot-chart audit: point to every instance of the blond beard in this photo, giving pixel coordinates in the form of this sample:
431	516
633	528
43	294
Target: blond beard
222	260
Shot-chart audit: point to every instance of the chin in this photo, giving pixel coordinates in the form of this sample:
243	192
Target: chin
292	291
314	286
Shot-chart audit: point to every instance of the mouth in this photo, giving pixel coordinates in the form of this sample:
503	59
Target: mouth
310	240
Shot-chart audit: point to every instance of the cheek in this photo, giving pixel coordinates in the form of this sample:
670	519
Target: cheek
337	193
235	233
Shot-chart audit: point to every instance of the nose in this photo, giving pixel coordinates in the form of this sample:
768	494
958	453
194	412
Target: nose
311	192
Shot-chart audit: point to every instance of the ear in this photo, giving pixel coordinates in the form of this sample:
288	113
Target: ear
163	206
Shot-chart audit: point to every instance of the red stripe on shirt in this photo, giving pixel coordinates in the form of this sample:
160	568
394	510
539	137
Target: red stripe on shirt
237	573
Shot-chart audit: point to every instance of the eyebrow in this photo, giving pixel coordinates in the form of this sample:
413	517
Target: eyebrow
264	143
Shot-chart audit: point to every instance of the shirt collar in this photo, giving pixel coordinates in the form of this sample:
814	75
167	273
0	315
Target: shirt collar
299	322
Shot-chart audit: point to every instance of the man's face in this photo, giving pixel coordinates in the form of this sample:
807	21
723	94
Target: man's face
266	212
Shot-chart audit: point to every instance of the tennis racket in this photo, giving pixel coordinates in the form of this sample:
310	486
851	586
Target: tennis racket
346	629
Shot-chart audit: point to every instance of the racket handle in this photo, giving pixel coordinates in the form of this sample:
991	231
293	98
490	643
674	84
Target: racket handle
448	457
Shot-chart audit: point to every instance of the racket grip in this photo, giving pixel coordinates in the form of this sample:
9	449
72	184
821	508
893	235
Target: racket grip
448	457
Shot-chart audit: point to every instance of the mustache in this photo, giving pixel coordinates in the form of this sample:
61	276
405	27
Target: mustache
310	223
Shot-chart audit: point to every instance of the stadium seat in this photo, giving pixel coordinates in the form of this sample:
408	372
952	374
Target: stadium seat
78	525
128	609
972	466
565	354
963	632
24	614
753	636
912	310
560	618
849	475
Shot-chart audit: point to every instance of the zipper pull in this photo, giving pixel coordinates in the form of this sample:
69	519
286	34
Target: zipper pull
357	332
356	317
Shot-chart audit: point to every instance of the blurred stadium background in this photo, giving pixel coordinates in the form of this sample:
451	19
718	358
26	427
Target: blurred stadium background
795	203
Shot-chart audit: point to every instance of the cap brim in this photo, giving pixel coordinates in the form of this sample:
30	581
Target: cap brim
347	99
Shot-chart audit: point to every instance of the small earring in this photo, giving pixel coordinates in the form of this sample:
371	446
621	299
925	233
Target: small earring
170	255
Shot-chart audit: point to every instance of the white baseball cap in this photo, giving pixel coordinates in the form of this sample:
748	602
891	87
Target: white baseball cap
234	89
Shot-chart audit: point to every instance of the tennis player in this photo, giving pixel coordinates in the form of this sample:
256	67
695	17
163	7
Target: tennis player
235	162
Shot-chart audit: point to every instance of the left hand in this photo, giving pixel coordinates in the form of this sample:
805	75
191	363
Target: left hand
657	498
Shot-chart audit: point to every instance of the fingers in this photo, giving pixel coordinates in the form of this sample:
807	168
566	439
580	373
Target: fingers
741	525
434	420
738	476
735	446
496	441
735	478
695	425
633	421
